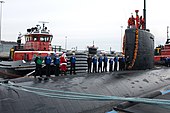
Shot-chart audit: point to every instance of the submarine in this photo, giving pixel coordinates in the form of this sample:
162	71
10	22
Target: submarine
130	91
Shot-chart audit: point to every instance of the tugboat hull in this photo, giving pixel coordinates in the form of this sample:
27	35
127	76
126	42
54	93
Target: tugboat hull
15	69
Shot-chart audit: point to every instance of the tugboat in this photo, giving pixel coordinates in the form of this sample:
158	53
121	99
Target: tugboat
37	40
162	52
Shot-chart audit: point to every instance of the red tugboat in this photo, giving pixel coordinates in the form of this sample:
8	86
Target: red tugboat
37	40
162	52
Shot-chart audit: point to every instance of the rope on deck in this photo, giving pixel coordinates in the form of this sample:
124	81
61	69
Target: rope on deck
82	96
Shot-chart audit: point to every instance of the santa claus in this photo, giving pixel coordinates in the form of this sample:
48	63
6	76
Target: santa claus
63	64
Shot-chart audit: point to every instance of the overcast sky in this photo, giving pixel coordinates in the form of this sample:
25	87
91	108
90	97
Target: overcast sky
83	21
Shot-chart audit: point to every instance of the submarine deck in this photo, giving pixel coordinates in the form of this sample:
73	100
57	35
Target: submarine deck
124	84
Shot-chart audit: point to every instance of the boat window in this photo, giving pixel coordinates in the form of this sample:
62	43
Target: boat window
44	39
51	38
35	38
47	39
28	38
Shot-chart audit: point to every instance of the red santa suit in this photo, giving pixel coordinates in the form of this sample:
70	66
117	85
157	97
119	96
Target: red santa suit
63	63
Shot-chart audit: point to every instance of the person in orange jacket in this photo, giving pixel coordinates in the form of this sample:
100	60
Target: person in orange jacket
142	22
137	19
131	22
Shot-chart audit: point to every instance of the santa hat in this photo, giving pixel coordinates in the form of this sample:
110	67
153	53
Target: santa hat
63	55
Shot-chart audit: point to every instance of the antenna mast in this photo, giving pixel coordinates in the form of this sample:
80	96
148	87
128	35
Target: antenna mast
144	14
43	22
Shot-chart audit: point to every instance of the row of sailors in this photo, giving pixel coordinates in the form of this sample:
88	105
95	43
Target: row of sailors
60	64
104	60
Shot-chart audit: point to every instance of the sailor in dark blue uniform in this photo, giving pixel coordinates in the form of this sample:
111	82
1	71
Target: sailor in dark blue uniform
123	62
100	60
120	63
73	64
56	65
115	63
111	65
94	60
105	60
89	62
48	63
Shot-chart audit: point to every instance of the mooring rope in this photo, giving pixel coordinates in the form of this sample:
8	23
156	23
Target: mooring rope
82	96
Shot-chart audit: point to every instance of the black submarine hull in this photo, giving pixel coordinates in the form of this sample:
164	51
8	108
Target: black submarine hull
139	47
124	84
